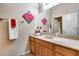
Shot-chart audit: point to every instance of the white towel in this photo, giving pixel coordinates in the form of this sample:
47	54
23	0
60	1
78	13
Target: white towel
13	32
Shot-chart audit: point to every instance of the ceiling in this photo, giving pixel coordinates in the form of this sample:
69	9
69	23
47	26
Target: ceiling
46	6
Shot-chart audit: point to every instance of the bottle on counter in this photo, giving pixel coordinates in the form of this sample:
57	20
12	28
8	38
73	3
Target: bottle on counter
37	31
49	28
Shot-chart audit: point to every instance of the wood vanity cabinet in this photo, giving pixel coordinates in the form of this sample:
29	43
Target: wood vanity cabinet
32	45
37	47
40	47
58	54
62	51
46	51
77	53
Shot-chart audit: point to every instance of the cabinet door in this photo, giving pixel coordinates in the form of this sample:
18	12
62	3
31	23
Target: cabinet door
32	43
65	51
46	51
32	48
77	53
38	49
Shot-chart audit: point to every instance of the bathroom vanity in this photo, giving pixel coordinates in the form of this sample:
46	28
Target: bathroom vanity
42	46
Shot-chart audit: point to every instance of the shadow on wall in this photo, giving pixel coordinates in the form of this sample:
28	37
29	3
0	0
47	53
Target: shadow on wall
5	43
27	46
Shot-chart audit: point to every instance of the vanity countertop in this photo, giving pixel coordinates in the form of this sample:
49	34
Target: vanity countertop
69	43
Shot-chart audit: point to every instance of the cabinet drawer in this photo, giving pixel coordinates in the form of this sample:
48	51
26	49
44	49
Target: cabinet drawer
65	51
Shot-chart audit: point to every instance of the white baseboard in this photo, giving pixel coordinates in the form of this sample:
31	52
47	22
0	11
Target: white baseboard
25	53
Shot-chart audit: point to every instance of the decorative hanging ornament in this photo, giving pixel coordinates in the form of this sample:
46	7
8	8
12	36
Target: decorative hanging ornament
28	17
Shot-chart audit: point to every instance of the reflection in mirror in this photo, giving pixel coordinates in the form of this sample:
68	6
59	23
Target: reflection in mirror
70	24
66	24
64	16
58	25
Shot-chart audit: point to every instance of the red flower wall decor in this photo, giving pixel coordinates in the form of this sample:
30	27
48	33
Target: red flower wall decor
44	21
28	17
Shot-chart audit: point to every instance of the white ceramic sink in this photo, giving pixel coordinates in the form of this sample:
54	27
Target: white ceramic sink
48	36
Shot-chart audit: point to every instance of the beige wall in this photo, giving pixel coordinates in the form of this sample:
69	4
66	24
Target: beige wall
19	46
64	8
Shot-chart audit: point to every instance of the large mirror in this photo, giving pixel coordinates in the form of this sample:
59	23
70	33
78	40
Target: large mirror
63	17
67	23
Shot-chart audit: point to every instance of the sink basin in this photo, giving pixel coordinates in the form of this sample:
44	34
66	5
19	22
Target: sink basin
48	36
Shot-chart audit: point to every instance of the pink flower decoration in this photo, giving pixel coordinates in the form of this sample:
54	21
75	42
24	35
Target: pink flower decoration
28	17
44	21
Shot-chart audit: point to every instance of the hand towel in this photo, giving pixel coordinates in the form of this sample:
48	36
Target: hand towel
13	23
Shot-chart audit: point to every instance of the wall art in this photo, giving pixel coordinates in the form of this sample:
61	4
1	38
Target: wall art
44	21
28	17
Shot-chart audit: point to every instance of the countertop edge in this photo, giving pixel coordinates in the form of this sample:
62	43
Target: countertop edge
66	46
